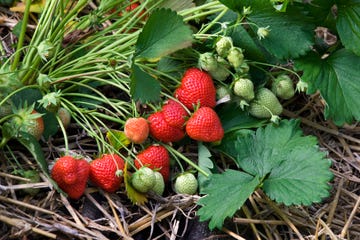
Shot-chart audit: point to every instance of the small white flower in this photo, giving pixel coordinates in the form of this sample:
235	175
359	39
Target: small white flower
262	32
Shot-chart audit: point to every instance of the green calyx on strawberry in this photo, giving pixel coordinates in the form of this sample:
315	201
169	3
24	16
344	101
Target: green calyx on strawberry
223	46
51	101
196	88
265	105
244	88
283	87
104	172
143	180
205	125
155	157
28	120
161	130
186	183
71	175
207	62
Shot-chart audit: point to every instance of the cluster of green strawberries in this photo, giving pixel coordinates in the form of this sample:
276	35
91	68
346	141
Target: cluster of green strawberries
189	113
260	103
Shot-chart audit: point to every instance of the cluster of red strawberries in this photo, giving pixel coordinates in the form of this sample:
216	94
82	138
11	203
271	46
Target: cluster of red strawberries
105	172
196	93
191	113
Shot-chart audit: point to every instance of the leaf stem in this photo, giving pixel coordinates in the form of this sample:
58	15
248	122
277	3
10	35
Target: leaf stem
22	36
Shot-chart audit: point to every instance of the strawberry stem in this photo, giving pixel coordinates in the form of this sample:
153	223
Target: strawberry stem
187	160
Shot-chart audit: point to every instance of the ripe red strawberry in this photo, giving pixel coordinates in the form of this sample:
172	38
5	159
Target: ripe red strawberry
104	172
175	114
155	157
196	87
136	129
204	125
162	131
71	175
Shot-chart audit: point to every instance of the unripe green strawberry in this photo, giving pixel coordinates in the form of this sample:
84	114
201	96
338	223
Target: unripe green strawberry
222	72
159	185
143	180
222	92
64	116
223	46
186	183
34	177
244	88
265	104
283	87
235	57
207	61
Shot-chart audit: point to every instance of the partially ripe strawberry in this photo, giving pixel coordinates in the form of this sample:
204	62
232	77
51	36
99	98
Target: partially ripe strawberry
175	114
205	125
162	131
136	129
105	172
71	175
186	183
29	121
155	157
197	87
143	179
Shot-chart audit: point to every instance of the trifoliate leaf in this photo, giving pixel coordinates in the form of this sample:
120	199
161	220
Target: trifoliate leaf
143	86
338	81
286	160
347	23
205	163
226	193
164	33
302	178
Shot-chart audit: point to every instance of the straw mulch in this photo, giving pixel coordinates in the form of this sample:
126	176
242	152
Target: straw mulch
98	215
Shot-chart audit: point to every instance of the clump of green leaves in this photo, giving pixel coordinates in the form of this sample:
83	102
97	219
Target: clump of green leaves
286	165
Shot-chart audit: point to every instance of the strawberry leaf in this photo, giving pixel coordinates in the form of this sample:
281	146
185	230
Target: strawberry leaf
205	163
285	159
143	86
338	82
235	185
347	23
163	33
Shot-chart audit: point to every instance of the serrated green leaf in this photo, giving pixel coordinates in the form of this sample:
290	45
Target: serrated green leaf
300	179
234	5
163	33
348	24
143	87
338	81
33	146
291	33
242	39
205	163
285	159
226	193
233	118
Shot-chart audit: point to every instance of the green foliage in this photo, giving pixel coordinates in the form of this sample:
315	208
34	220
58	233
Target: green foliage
287	165
226	193
158	39
338	82
205	163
